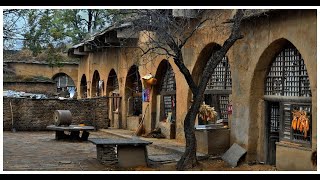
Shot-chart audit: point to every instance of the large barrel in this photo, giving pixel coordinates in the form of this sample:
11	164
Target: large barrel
62	117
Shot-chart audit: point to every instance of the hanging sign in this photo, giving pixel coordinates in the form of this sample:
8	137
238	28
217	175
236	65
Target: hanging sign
229	109
146	95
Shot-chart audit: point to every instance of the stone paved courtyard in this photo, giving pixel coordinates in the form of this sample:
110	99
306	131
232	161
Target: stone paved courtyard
39	151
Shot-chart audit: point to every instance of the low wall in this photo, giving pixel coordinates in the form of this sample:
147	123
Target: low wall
133	122
293	158
37	114
213	141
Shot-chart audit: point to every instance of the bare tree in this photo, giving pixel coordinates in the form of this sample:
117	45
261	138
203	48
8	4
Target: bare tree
12	27
167	36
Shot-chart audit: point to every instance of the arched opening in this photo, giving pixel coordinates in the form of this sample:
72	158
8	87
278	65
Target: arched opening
83	86
286	96
133	91
219	87
64	84
113	93
97	85
164	95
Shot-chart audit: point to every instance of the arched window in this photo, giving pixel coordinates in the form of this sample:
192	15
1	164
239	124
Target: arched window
83	87
97	85
63	81
168	93
113	89
134	91
218	89
287	91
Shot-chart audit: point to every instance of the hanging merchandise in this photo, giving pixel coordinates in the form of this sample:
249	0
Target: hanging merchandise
146	95
150	80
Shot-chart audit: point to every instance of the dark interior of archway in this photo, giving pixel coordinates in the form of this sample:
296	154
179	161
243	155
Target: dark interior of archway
83	87
134	90
203	58
95	83
112	83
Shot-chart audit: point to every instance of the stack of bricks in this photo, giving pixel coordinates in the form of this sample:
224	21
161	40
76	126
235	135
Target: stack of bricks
107	154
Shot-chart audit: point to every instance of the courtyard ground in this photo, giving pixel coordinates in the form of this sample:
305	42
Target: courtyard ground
39	151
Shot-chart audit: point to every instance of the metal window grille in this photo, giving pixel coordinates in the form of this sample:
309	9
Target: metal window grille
64	81
224	101
169	106
168	87
274	121
220	80
221	77
137	100
288	75
169	83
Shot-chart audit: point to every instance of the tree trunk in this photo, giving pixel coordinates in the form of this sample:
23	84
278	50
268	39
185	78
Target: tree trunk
189	158
89	20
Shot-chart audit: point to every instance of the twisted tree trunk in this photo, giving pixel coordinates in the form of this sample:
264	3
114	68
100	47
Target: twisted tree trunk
189	158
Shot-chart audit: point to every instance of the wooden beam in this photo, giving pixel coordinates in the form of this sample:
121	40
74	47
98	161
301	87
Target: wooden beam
77	52
287	99
127	33
217	91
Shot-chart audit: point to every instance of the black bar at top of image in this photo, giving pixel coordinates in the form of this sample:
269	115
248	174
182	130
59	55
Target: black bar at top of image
160	3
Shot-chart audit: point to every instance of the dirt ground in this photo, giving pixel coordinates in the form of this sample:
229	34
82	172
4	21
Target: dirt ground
39	151
209	165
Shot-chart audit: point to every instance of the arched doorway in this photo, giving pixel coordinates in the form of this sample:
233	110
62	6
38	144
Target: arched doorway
97	85
287	96
64	83
133	98
113	93
218	90
164	95
219	87
83	86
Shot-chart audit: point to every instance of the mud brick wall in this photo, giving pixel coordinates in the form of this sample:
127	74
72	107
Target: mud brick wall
101	113
37	114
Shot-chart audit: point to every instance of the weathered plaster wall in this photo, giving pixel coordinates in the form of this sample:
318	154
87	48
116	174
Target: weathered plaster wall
252	55
34	69
290	158
248	60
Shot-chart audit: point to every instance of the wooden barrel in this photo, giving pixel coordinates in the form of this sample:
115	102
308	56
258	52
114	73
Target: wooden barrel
62	117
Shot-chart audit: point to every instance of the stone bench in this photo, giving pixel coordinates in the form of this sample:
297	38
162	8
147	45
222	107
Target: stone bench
74	132
123	152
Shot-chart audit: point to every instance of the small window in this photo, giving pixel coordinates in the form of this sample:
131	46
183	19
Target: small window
295	131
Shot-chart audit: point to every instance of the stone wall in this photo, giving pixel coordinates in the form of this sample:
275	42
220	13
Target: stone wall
31	87
37	114
106	154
